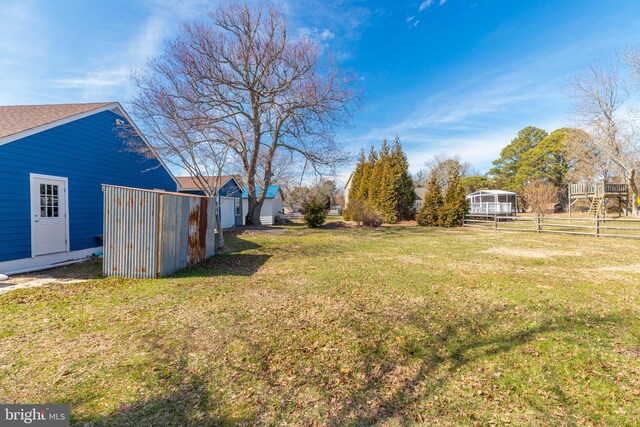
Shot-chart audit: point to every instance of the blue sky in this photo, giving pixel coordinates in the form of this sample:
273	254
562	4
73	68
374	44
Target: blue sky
456	76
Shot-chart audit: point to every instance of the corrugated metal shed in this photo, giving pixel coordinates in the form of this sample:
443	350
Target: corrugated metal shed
151	234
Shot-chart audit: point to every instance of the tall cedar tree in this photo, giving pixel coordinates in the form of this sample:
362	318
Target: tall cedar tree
376	179
356	179
362	193
429	214
399	193
455	204
382	182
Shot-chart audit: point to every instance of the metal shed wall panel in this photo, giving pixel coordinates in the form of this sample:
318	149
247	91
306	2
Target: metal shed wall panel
130	232
154	234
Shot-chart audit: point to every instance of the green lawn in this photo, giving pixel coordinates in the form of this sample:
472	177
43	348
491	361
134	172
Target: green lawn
394	326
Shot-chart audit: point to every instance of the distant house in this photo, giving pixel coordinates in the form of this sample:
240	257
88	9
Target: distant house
53	162
229	196
272	206
420	192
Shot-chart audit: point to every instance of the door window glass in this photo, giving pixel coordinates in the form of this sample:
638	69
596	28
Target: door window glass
49	207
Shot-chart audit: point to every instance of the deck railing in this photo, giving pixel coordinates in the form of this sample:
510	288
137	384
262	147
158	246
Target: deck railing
597	189
491	208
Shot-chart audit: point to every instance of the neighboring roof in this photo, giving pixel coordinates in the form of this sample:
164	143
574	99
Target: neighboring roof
420	192
271	191
492	192
189	183
19	118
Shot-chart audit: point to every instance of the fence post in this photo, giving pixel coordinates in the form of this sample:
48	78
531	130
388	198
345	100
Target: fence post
495	222
537	223
597	225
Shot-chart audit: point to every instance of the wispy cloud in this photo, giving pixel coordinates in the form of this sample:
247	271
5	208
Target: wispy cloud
425	4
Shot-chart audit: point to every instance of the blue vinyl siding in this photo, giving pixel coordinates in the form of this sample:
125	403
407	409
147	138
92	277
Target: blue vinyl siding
89	153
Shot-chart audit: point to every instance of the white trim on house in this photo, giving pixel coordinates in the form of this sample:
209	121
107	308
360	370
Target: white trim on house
36	202
46	261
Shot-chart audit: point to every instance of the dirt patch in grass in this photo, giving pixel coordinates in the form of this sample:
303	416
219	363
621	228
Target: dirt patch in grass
74	273
529	253
634	268
334	225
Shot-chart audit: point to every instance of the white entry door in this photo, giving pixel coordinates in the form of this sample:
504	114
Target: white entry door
227	212
49	229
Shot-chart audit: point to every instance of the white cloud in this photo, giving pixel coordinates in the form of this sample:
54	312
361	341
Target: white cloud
442	2
409	19
425	4
326	34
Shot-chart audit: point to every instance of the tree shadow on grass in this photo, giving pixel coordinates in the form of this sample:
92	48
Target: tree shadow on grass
464	344
234	261
186	399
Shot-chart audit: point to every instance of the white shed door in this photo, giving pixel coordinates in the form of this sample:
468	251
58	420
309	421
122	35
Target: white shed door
228	211
49	232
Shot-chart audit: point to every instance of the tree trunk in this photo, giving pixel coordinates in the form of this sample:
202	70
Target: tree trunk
253	213
633	190
220	239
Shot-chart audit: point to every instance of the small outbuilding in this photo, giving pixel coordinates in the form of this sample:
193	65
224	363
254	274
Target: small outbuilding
493	202
272	206
229	196
53	162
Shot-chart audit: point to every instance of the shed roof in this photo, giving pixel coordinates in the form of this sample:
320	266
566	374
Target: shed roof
189	183
271	191
19	118
420	192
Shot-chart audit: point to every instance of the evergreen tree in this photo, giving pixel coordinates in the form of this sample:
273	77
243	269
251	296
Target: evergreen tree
377	177
429	213
404	185
455	204
364	187
356	179
506	167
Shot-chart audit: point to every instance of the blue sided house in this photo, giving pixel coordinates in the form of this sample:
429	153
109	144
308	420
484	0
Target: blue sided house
229	196
272	206
53	162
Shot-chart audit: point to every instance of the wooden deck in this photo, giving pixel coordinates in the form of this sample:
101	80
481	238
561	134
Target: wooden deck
598	190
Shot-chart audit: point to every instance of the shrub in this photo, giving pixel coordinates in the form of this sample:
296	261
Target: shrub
363	214
315	212
431	205
455	204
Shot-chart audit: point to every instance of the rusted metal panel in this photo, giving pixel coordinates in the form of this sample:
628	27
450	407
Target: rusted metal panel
130	226
153	234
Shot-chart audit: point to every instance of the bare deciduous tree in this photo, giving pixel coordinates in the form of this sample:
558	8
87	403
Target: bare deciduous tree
601	96
443	165
182	144
241	80
540	195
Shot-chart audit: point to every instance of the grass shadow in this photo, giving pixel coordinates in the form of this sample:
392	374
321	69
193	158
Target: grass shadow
233	261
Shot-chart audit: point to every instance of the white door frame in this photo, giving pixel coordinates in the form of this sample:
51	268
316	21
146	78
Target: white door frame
35	201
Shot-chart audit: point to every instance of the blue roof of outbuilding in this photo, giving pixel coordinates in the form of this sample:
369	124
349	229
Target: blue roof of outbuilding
271	191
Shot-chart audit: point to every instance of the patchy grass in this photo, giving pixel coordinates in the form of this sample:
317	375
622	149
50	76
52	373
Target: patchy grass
396	325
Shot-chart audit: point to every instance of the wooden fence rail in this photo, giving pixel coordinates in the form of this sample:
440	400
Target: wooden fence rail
597	227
